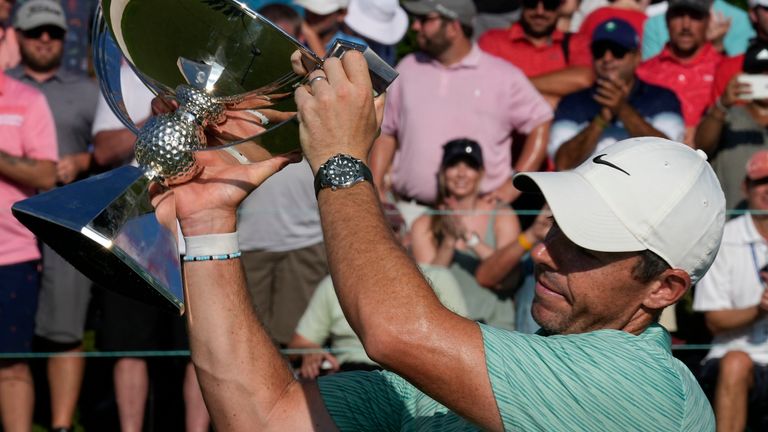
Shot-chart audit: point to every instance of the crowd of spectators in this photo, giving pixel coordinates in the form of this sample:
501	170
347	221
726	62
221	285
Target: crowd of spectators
486	88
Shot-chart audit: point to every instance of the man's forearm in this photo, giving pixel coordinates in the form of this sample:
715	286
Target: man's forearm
113	147
241	373
398	317
34	173
363	253
709	130
382	154
636	124
564	81
573	152
732	319
534	149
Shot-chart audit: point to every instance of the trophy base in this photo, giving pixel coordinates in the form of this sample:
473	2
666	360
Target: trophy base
105	226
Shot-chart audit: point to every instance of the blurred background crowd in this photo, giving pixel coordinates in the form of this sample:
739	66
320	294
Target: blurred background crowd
487	88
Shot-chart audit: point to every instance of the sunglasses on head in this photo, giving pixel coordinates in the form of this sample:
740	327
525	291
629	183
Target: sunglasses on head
56	33
550	5
600	48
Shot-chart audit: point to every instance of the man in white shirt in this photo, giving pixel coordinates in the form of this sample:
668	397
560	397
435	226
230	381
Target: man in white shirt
734	300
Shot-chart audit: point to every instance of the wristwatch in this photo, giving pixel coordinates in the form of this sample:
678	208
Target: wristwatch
341	171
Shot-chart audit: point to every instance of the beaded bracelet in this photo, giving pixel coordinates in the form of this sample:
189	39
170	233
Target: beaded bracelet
233	255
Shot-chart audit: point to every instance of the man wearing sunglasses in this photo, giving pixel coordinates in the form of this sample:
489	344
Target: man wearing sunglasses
64	292
556	63
618	106
688	62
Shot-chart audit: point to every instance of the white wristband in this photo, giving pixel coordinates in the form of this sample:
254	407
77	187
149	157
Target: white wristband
212	244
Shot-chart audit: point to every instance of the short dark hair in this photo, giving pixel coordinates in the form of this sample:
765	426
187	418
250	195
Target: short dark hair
649	267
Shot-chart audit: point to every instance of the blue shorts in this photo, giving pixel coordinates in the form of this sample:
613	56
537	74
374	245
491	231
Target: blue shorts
19	284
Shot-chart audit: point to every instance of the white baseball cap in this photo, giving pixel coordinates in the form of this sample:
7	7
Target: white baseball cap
322	7
383	21
37	13
756	3
640	193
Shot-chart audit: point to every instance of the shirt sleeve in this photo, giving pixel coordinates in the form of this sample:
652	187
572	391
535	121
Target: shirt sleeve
391	121
524	94
366	401
39	131
315	323
601	380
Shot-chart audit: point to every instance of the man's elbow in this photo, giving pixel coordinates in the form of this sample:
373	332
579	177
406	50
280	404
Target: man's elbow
389	343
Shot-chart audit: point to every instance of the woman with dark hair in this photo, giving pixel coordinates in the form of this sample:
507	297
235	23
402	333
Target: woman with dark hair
467	229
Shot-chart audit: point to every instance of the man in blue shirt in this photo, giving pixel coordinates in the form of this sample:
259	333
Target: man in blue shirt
618	106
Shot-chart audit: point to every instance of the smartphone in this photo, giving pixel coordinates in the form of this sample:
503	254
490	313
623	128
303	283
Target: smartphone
758	84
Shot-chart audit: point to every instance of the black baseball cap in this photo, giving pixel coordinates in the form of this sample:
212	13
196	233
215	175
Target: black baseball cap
463	149
756	58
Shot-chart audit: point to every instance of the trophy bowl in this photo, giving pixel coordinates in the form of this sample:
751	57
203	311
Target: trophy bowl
229	70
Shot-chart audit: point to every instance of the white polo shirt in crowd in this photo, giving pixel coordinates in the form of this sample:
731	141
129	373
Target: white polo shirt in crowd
733	282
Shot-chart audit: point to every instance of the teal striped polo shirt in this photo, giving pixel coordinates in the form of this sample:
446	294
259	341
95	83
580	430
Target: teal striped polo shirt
607	380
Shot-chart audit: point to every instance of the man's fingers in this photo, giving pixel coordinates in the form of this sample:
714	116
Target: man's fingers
297	64
162	105
335	71
260	171
356	68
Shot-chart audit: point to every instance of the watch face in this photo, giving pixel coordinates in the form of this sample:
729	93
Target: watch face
342	171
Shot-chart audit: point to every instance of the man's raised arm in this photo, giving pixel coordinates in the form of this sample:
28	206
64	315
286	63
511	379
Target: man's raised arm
388	303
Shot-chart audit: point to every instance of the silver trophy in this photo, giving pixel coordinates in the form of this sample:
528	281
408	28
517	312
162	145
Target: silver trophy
229	70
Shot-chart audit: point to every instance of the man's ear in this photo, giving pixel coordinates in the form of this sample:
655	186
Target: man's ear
667	289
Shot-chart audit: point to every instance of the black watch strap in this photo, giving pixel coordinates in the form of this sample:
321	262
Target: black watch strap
320	176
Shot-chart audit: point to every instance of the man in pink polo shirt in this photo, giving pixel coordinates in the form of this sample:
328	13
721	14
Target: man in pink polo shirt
28	157
451	89
688	62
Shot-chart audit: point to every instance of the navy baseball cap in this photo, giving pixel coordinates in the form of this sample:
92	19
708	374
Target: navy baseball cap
463	149
617	31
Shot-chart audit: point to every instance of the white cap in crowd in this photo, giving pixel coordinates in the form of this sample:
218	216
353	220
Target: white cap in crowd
322	7
37	13
383	21
640	193
756	3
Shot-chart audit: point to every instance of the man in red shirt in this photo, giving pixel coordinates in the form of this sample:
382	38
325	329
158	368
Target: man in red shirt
688	62
557	63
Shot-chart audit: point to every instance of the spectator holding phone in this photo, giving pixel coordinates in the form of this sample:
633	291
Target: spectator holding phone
734	300
734	128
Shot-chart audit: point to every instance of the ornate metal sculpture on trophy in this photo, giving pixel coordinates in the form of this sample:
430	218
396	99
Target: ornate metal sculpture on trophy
229	70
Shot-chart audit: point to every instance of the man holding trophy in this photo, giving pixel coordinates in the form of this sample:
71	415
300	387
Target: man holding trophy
601	363
634	228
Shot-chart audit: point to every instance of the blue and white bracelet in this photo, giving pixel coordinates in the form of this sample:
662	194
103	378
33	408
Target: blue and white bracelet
212	247
188	258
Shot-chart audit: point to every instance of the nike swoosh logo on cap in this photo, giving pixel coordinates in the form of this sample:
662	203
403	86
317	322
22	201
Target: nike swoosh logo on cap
599	160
